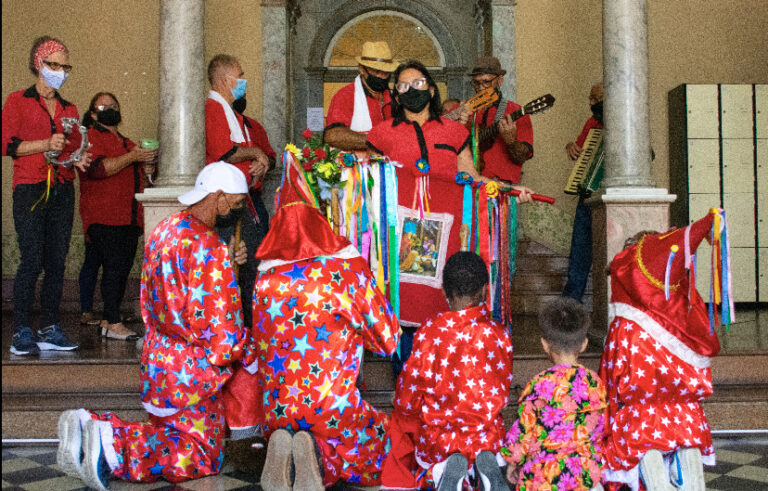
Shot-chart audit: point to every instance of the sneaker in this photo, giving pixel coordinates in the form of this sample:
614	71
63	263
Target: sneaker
653	472
70	454
90	319
306	463
96	471
52	338
276	475
117	331
453	475
24	342
687	471
490	476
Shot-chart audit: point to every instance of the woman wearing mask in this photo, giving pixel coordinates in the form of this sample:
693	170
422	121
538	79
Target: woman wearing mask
43	193
417	135
112	218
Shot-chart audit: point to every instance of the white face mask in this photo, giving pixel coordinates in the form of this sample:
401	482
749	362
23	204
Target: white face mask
54	79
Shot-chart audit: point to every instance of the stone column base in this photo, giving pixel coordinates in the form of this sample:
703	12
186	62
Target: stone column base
159	203
617	214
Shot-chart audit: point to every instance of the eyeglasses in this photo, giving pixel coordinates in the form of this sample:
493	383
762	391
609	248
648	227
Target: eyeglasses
418	84
104	107
58	66
483	84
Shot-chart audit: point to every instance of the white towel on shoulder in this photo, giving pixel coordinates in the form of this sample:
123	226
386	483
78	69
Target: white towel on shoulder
235	132
361	118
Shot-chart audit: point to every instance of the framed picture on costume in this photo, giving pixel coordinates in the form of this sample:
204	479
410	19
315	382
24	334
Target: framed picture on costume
423	246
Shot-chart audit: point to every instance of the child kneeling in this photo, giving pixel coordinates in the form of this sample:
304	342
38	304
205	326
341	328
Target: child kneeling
447	420
556	439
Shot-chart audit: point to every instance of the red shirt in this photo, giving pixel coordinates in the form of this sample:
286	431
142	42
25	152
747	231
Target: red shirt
26	118
110	200
343	106
497	161
591	123
439	142
219	145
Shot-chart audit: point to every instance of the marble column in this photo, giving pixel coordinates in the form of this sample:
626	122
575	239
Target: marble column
182	107
275	79
503	22
630	202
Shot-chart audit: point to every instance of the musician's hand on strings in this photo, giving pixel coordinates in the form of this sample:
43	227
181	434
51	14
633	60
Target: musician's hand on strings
238	254
573	150
508	129
525	194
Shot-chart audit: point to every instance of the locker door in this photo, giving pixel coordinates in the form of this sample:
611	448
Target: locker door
736	111
702	111
762	269
703	166
738	166
698	207
761	116
762	192
743	268
740	213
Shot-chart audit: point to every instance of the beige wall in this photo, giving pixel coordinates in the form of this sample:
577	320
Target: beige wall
559	50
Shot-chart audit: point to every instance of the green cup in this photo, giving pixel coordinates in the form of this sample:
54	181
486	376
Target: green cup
150	143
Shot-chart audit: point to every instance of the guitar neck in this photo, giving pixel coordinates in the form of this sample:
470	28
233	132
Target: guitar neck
490	132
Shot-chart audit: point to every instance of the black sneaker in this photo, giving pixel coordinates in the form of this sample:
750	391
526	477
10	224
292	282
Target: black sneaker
24	342
52	338
454	473
489	473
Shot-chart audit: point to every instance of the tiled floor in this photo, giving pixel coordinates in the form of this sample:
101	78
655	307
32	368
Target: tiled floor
742	465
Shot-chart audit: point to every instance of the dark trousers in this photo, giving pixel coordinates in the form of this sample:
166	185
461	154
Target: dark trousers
406	346
43	235
89	273
580	258
252	233
113	247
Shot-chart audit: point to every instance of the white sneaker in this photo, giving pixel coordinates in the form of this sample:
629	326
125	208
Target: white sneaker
69	456
653	472
687	470
96	472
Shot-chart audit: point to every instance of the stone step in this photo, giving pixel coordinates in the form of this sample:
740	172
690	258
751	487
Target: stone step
529	303
542	282
541	262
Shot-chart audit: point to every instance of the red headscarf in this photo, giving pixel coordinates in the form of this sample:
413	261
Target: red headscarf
46	49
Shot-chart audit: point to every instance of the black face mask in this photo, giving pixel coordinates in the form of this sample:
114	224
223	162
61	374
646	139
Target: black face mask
597	111
415	100
108	117
239	105
377	84
230	219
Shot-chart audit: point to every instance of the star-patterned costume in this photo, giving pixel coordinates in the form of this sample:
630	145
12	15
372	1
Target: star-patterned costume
556	439
656	360
449	396
191	308
312	318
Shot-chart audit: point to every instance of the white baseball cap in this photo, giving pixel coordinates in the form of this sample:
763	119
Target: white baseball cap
216	176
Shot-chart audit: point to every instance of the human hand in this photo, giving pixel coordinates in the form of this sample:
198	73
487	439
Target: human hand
525	194
84	162
508	129
57	141
511	474
238	254
573	150
463	114
144	154
258	168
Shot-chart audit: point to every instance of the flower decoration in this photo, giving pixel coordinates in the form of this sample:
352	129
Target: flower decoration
423	166
463	177
349	159
321	162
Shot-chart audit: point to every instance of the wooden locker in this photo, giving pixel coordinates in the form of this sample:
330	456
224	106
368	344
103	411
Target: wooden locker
762	192
702	111
736	111
703	166
762	269
738	165
761	110
743	269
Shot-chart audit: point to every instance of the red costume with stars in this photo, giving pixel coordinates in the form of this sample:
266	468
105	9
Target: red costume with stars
656	361
449	396
191	308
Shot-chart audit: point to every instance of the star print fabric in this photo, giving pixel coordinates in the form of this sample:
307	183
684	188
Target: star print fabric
190	304
455	384
654	398
311	317
555	442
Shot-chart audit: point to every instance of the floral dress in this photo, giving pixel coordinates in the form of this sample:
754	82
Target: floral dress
555	442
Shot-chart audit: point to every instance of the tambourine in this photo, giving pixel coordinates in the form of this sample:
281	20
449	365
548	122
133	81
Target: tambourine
68	124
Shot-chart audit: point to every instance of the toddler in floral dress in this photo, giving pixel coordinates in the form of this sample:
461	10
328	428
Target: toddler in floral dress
556	441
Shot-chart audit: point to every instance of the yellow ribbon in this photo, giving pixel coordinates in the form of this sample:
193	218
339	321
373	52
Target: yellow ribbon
47	192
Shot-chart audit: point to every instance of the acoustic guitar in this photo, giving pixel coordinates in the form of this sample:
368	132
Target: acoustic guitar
481	100
486	135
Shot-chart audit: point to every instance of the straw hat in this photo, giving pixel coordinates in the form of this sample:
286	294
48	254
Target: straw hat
376	55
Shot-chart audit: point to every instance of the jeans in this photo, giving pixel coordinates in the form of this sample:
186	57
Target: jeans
89	273
252	233
406	346
113	247
580	258
43	235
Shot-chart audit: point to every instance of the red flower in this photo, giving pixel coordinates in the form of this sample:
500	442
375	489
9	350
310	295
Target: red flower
320	153
307	134
306	152
307	166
